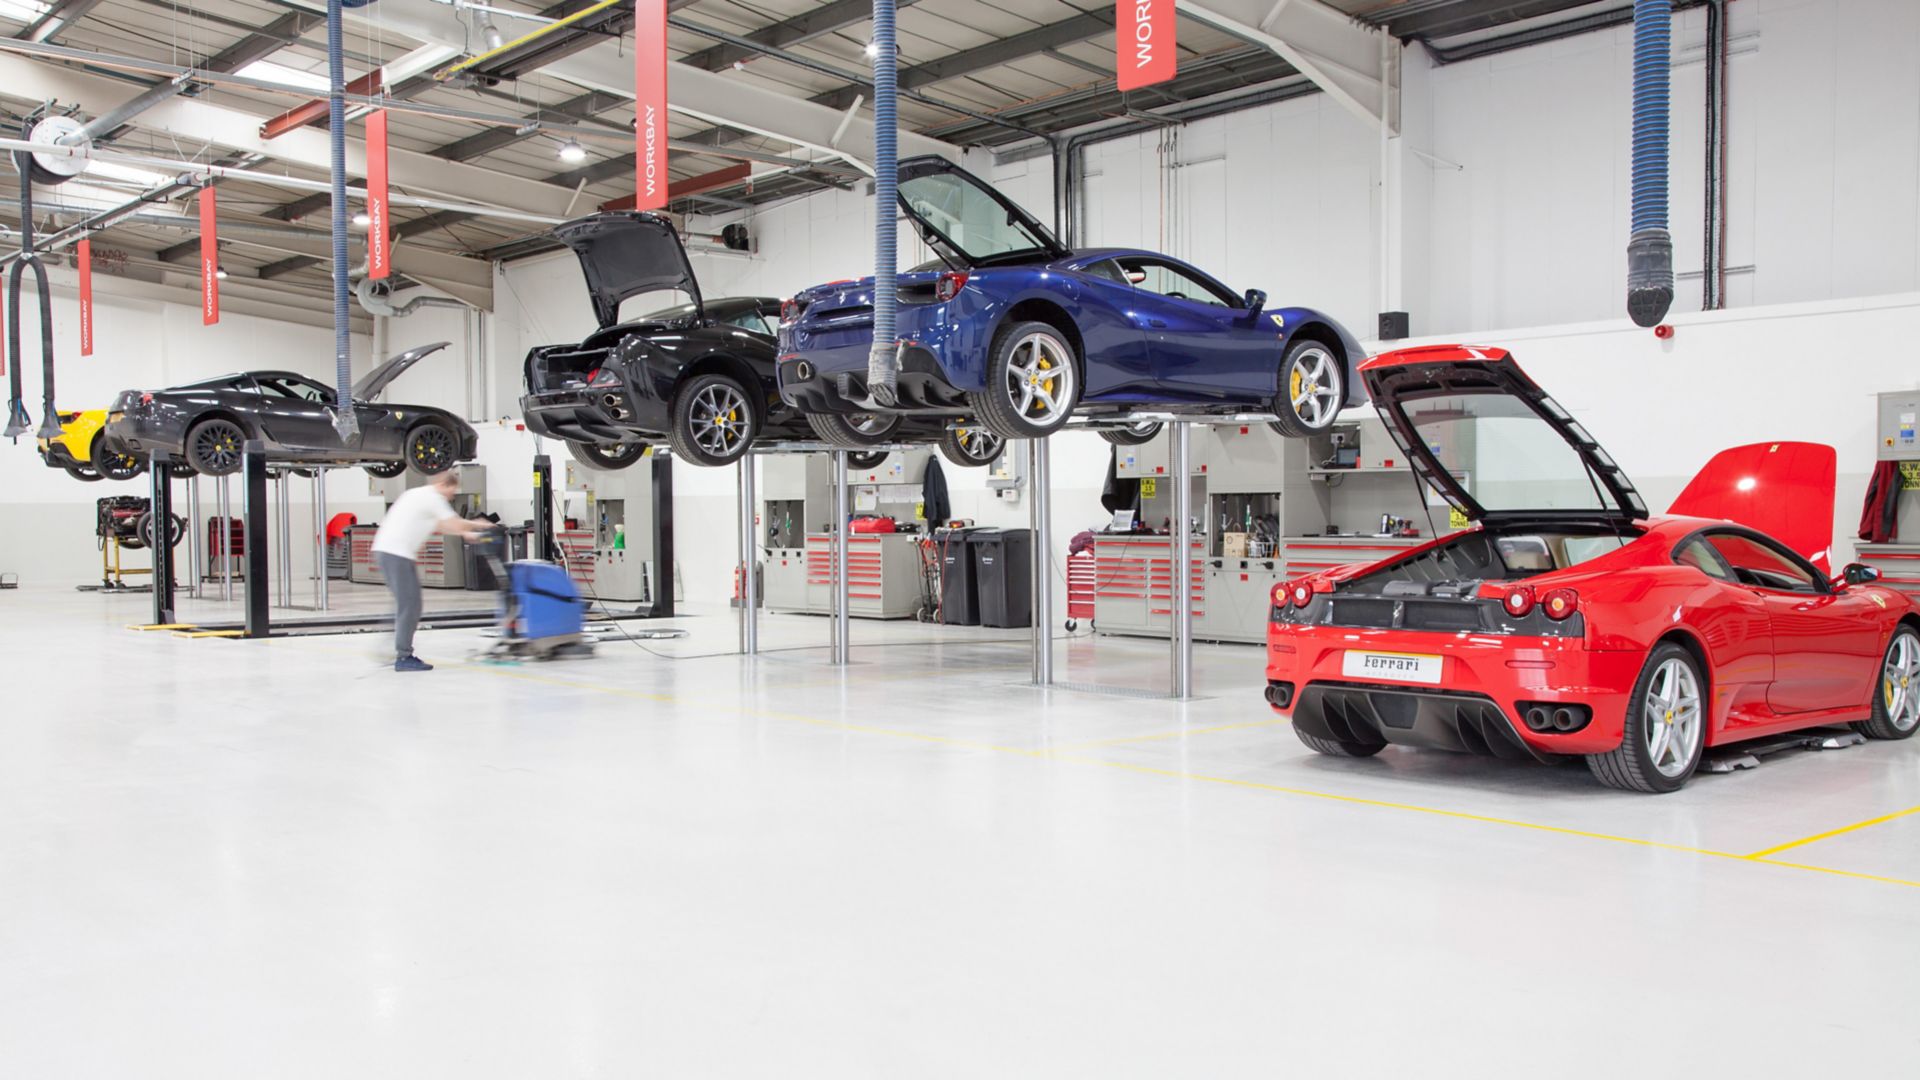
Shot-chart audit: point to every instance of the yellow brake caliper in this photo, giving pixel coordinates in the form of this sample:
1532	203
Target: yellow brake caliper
1046	385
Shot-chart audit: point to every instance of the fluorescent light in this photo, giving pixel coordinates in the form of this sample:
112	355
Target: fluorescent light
23	10
268	71
572	151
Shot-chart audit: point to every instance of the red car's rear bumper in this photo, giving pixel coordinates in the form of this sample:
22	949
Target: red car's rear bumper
1485	683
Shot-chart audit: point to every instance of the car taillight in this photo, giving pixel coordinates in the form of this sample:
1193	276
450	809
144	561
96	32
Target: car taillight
602	377
789	310
1560	603
1519	601
1280	595
949	285
146	399
1302	594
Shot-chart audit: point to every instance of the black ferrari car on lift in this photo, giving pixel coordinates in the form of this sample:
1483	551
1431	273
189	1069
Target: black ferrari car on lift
699	376
205	424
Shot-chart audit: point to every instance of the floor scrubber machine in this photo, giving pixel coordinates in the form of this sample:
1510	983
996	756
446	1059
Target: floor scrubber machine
542	614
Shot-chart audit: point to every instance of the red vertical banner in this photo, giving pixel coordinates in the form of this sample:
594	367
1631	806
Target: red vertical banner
1143	42
86	296
650	103
379	255
209	260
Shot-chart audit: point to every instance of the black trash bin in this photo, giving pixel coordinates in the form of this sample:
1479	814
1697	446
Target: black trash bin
959	588
1003	563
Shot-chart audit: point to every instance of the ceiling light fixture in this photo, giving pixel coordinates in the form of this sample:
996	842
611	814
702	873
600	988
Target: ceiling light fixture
572	151
491	35
363	218
873	49
220	272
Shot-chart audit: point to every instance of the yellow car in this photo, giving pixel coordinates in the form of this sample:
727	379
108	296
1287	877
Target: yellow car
84	454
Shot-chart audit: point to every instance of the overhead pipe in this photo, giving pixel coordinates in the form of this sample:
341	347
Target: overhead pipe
377	298
1713	274
883	364
1650	248
344	419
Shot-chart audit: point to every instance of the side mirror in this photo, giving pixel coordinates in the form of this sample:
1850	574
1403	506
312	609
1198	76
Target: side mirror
1858	574
1255	301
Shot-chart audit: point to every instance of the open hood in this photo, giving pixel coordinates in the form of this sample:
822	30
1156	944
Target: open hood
1484	435
966	220
626	253
1783	489
373	382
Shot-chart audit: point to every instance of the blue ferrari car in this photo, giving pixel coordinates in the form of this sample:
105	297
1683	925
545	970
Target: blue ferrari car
1010	330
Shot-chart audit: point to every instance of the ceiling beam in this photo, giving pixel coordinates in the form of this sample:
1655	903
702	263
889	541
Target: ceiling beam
57	19
1355	64
818	22
981	57
688	186
583	107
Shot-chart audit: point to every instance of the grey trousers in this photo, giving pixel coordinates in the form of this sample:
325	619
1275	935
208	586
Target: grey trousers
403	581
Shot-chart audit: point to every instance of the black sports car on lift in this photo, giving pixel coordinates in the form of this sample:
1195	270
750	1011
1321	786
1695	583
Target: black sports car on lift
204	424
699	375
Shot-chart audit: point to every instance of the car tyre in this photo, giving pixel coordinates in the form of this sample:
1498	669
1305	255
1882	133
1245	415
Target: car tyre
715	420
971	447
83	472
213	446
607	456
1896	707
1134	434
1339	747
865	459
432	448
114	465
1033	382
1312	389
855	431
385	470
1671	694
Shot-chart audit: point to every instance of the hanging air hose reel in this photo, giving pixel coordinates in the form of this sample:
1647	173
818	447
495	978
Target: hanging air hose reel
61	129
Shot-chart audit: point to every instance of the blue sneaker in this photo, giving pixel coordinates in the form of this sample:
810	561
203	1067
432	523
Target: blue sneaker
411	662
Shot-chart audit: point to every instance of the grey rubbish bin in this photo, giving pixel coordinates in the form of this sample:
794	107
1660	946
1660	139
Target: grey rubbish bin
1003	563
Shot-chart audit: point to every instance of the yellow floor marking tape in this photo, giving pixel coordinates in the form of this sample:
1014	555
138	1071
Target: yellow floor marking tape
1831	833
165	626
1098	743
209	633
1253	785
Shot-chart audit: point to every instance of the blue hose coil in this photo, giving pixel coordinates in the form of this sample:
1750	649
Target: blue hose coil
344	420
1652	94
881	370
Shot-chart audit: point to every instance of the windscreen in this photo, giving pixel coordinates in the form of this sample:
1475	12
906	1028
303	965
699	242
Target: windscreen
1506	455
979	226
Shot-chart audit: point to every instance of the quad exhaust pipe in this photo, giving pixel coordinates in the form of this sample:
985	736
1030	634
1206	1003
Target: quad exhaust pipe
1545	717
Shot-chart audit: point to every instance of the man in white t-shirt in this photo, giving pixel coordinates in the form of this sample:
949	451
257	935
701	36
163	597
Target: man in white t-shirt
416	515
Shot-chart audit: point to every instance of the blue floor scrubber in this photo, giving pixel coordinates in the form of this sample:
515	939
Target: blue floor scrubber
542	614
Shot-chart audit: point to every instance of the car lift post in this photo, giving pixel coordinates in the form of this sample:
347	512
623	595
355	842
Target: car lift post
544	548
661	477
320	538
1180	563
223	505
283	532
195	538
838	548
1040	476
749	559
160	507
253	495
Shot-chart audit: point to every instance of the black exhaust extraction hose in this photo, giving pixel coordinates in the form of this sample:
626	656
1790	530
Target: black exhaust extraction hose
1650	248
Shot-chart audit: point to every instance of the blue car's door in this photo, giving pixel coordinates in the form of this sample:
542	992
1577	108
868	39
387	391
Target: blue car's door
1205	349
1113	330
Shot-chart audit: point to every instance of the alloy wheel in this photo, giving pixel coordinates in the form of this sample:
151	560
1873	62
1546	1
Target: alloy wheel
432	448
978	443
720	419
1900	679
1671	717
1039	380
1312	387
217	446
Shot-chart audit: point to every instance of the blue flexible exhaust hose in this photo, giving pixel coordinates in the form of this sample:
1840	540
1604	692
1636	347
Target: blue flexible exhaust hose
344	420
1650	248
882	361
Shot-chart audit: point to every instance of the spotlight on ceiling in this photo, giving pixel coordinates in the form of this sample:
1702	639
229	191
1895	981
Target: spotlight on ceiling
491	35
571	151
873	49
363	218
220	272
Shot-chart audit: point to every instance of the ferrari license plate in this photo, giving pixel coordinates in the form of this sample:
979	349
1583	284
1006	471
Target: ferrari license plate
1400	667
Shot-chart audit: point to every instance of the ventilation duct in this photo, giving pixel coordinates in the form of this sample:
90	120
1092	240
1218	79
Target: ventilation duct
1650	248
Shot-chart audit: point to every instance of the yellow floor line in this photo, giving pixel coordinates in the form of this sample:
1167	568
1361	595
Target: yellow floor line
1123	740
1831	833
1254	785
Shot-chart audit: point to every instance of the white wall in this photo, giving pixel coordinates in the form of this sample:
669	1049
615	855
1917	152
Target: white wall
46	516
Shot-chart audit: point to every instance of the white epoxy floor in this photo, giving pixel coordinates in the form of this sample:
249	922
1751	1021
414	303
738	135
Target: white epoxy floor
280	859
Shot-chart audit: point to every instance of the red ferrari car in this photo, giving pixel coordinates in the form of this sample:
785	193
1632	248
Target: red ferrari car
1567	621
